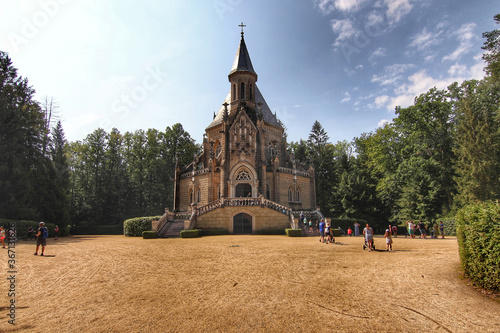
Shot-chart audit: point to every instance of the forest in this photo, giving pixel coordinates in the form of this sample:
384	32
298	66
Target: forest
436	156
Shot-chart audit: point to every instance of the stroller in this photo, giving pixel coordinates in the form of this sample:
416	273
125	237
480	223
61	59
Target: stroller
365	245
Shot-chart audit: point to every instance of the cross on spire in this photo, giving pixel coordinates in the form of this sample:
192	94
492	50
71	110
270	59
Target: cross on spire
242	26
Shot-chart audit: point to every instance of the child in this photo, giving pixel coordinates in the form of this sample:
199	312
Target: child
388	240
2	236
349	232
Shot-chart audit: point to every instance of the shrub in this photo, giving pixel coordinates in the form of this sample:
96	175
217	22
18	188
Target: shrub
149	234
135	226
450	228
294	232
110	229
336	232
194	233
22	227
214	232
478	232
271	232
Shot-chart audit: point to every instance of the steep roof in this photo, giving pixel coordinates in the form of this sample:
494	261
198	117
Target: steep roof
242	60
267	114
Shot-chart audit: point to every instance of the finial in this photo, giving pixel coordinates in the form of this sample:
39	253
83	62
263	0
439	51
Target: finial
242	26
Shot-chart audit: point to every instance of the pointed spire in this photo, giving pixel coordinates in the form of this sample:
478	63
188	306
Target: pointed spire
242	60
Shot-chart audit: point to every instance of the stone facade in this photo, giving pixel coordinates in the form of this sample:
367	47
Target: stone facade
244	156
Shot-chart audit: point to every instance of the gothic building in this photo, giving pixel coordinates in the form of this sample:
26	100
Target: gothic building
244	180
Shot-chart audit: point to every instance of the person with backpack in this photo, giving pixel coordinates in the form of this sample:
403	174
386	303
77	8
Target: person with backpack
41	237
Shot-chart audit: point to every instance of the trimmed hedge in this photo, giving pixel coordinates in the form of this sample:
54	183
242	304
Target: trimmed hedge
111	229
478	232
22	227
194	233
149	234
293	232
271	232
214	232
135	226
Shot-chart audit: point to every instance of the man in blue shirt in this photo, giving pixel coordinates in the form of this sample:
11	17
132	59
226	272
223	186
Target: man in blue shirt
322	231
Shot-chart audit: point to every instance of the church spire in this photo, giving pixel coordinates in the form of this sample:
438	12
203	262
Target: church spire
242	60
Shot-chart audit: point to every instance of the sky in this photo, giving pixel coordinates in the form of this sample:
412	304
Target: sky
151	64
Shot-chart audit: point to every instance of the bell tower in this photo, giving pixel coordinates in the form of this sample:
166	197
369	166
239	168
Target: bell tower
242	78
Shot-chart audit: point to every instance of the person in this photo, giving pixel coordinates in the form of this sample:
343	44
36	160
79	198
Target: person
368	233
356	229
435	230
441	229
41	238
56	232
411	228
322	231
30	234
310	225
302	218
423	229
328	234
388	239
349	232
2	236
395	231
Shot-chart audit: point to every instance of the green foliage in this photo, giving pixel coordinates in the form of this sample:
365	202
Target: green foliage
149	234
135	226
22	226
271	232
478	232
194	233
293	232
450	227
336	232
492	46
214	232
111	229
347	223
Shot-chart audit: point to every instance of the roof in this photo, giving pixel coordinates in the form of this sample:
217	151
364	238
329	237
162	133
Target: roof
267	115
242	60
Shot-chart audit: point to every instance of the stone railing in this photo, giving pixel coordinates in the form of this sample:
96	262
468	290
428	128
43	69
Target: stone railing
195	173
294	172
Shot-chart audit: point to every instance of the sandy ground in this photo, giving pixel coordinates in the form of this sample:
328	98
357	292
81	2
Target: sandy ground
242	284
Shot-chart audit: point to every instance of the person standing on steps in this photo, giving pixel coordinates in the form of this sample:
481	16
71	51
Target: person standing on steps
41	237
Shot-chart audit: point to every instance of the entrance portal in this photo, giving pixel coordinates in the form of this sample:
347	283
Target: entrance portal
243	190
242	224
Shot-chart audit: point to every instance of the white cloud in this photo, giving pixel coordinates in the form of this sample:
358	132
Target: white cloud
328	6
465	36
457	70
382	122
397	9
344	28
347	98
392	74
381	101
425	39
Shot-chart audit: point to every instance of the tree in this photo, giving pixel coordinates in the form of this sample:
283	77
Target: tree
492	46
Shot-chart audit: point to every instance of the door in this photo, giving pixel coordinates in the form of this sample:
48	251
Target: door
242	224
243	190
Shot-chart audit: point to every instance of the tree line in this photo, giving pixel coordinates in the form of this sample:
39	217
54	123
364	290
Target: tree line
437	155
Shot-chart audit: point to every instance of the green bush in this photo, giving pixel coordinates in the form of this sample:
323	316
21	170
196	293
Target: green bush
346	223
335	232
149	234
21	227
478	232
294	232
271	232
194	233
214	232
135	226
111	229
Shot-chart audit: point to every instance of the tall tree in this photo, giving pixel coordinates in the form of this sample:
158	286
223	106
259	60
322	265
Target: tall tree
492	46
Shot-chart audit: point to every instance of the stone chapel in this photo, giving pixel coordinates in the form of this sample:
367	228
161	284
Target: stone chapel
244	181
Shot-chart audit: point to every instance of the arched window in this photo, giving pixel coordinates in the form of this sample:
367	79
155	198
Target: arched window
297	194
234	91
190	196
251	92
218	149
290	194
242	91
199	196
268	192
243	175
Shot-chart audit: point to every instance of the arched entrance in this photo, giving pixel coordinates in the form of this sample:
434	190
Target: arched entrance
243	190
242	224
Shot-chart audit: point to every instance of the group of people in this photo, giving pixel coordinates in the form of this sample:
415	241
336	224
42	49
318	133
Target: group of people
325	232
435	231
6	236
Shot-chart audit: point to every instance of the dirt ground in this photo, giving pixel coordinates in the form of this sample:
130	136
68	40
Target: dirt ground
242	284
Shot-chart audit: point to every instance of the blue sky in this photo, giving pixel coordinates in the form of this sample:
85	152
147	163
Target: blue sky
150	64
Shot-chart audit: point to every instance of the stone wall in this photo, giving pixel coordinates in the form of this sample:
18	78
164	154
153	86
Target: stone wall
262	218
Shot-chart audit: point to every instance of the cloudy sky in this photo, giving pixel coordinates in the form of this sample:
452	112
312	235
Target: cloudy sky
150	64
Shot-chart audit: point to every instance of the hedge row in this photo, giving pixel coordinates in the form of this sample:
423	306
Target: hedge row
293	232
450	227
22	226
193	233
271	232
112	229
478	232
135	226
149	234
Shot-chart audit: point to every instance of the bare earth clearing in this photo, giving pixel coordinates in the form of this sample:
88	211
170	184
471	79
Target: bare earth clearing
243	284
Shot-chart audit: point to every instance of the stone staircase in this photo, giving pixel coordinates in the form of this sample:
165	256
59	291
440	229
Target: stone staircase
171	229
